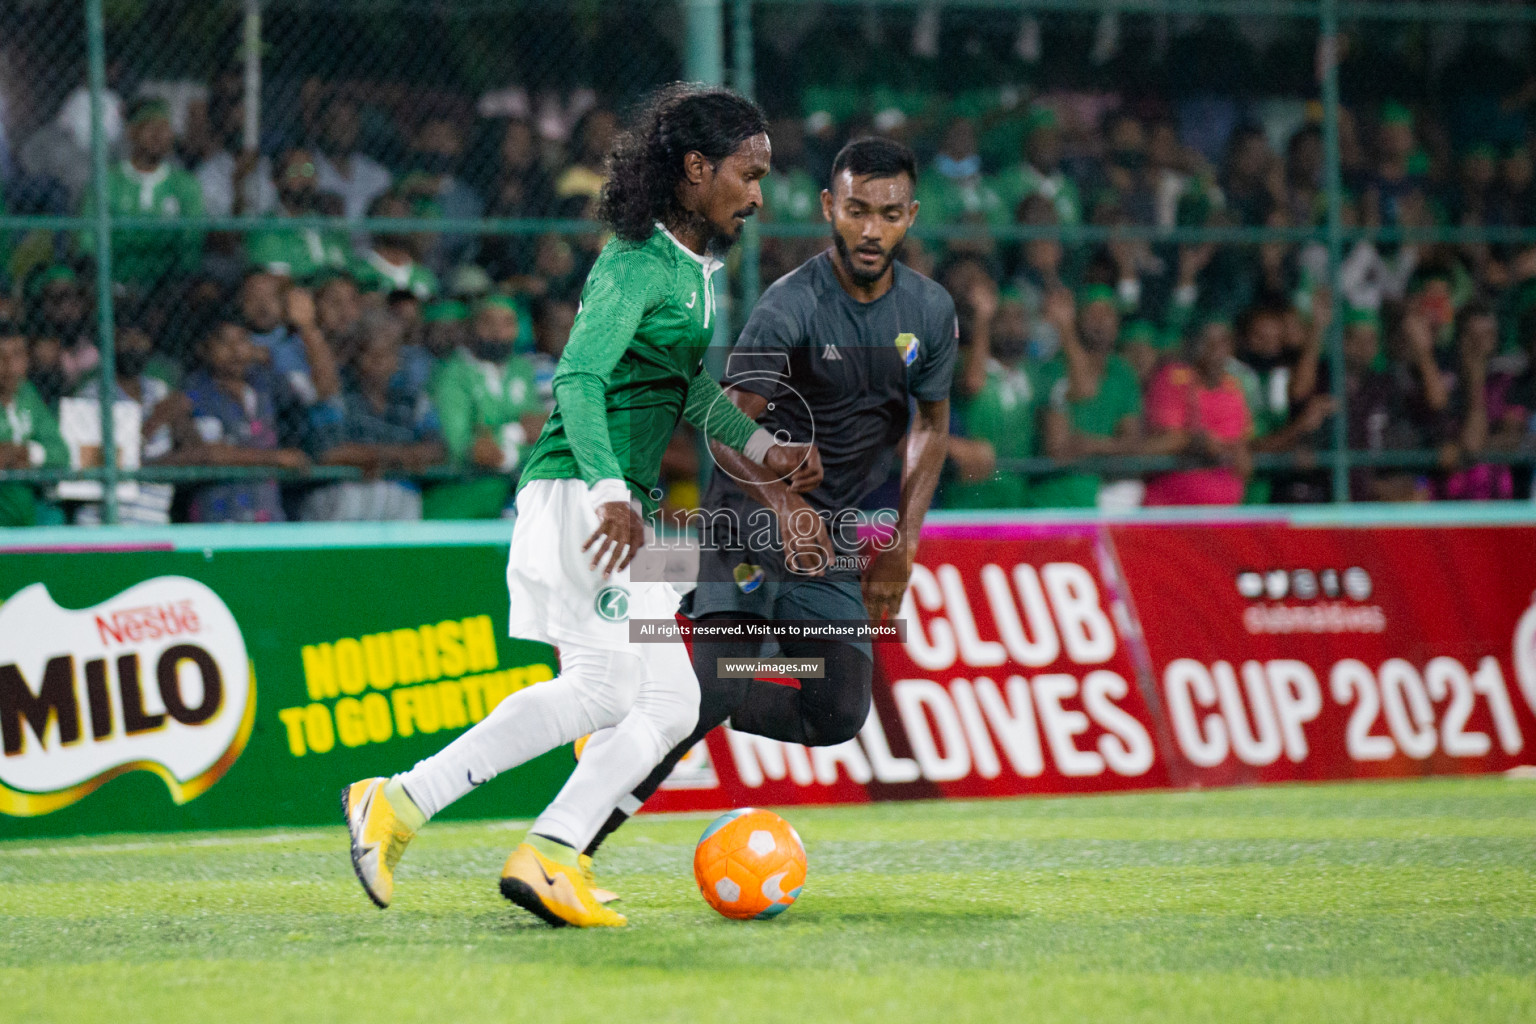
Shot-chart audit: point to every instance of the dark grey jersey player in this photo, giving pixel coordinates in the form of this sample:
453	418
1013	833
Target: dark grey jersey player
840	351
814	361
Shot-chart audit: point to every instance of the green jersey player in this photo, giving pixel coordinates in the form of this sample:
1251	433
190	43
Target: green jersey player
680	187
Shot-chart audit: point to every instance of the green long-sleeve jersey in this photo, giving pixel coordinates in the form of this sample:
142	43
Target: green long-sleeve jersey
472	395
145	257
25	420
634	366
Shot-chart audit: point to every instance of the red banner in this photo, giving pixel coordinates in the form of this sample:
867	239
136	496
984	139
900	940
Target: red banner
1088	658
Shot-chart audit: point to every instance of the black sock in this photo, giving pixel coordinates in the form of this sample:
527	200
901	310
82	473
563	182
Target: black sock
610	826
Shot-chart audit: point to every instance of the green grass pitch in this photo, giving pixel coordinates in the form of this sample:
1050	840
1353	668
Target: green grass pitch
1366	902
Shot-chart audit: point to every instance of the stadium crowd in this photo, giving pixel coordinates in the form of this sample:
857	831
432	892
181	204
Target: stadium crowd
401	352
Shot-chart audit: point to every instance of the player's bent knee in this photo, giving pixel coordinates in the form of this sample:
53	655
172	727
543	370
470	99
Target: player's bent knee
841	710
672	716
661	734
841	725
679	727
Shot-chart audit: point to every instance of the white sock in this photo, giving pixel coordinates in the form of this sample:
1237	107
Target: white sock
595	689
664	713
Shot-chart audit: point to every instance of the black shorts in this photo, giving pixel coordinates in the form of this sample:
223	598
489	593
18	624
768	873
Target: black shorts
730	582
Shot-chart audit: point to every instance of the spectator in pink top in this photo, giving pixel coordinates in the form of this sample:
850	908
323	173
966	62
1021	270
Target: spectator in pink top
1196	409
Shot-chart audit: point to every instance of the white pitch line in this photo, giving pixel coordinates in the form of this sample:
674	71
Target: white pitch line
293	837
277	837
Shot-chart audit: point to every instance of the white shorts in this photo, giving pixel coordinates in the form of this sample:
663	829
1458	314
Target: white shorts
555	596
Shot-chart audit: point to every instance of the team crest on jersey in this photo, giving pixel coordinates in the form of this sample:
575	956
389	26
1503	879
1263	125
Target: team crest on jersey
748	577
906	344
612	604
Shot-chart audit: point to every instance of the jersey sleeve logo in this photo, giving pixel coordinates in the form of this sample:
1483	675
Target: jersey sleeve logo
906	344
748	577
692	298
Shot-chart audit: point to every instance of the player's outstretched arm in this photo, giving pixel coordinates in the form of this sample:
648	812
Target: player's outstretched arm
807	548
731	420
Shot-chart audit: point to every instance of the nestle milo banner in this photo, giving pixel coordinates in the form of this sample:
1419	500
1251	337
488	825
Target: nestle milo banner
208	678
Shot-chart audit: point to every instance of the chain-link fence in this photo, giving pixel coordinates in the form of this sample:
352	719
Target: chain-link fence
317	230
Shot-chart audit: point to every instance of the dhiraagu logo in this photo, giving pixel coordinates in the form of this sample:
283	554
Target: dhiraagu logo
155	679
906	344
612	604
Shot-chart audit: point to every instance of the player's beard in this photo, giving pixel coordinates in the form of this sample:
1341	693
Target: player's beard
720	239
863	277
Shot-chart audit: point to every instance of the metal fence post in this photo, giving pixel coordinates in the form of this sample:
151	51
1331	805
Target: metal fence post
95	32
704	61
252	81
703	58
1328	42
743	77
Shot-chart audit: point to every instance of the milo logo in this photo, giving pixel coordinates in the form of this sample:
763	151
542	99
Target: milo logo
155	679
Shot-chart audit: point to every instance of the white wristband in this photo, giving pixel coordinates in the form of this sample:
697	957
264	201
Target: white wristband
756	448
36	454
605	491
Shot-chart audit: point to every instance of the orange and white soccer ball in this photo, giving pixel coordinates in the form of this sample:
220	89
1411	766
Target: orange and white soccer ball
749	864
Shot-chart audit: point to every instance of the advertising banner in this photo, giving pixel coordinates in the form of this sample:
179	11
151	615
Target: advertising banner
173	685
1057	658
211	678
1285	653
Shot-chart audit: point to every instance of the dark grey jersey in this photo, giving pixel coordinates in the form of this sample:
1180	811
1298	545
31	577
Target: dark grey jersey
841	373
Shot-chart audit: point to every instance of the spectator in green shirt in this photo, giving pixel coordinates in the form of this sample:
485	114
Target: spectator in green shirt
147	184
789	191
391	263
1144	346
1003	414
1093	401
444	326
490	412
298	253
954	190
1039	173
29	433
790	194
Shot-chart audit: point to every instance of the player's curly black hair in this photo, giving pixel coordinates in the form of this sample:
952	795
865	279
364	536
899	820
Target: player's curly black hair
647	161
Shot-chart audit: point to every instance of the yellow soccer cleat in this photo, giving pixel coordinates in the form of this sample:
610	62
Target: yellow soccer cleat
589	875
553	891
378	837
